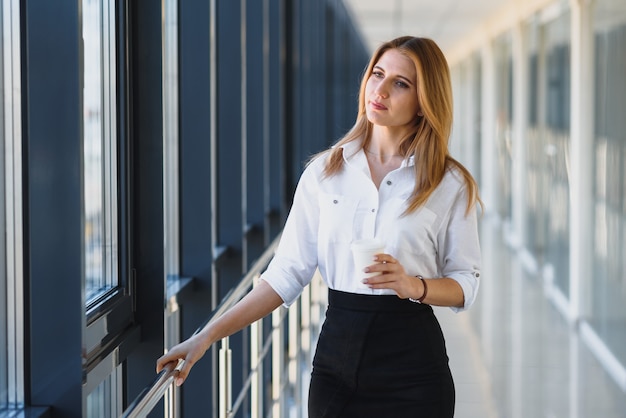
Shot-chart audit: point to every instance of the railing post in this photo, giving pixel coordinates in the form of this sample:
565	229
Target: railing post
225	407
306	330
225	380
256	384
277	362
317	301
292	351
301	321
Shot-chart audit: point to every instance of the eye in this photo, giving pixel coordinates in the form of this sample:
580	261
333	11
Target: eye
377	74
402	84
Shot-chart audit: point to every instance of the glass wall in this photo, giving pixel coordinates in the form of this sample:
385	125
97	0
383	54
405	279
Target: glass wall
3	275
556	142
171	180
465	140
106	287
548	34
536	158
504	117
475	78
170	135
608	316
100	148
106	400
98	268
11	268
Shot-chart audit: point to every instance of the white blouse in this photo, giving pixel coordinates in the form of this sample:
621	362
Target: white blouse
437	240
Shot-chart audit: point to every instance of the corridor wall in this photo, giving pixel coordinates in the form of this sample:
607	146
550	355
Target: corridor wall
540	84
150	153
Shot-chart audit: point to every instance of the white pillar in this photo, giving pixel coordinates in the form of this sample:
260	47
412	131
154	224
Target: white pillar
581	155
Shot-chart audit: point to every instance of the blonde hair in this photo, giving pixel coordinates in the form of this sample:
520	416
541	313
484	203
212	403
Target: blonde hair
428	141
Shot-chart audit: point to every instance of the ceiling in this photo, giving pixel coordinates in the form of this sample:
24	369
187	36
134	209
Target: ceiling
445	21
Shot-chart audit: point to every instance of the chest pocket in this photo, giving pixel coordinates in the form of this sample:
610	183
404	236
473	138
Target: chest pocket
337	217
413	234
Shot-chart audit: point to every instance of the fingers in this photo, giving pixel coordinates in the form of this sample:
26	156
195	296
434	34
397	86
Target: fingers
385	264
183	372
174	355
385	259
182	357
171	358
392	276
165	359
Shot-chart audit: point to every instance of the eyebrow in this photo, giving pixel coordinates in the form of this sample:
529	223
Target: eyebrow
399	76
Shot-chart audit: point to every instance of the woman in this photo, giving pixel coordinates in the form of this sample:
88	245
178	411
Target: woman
381	352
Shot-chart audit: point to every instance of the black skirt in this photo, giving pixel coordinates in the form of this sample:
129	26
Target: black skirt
380	357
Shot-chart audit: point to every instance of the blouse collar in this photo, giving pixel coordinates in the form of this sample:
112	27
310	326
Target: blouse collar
354	154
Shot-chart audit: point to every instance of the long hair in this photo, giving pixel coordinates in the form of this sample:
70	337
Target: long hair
428	140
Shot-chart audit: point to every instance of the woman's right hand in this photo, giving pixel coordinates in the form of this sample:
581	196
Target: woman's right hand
261	301
190	350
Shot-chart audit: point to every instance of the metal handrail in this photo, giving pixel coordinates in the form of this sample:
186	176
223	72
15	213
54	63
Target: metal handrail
300	323
152	394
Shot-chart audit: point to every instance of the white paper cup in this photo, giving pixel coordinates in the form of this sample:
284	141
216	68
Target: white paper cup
363	252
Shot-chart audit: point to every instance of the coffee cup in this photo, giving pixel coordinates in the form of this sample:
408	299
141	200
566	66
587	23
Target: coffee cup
363	252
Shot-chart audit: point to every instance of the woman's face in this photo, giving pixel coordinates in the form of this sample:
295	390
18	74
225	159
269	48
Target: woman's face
391	91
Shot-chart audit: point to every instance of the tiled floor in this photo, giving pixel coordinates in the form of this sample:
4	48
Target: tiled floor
514	355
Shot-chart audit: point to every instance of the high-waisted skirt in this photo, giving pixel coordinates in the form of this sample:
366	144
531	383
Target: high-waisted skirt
379	356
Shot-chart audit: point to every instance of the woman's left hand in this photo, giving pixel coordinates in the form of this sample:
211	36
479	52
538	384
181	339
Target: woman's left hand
393	277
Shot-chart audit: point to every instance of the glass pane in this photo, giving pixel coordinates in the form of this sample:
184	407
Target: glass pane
3	268
170	136
465	141
536	174
609	216
11	265
171	178
99	144
556	142
504	147
106	399
476	81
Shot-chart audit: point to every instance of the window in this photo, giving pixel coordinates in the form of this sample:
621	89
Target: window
608	291
107	284
11	273
106	400
504	72
536	191
171	180
556	140
170	136
100	149
3	251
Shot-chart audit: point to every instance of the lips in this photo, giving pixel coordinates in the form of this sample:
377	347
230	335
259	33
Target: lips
378	106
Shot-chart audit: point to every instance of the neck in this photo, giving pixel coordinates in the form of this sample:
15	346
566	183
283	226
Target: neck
384	141
381	154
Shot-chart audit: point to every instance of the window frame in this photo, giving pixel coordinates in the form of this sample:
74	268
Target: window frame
110	333
100	170
11	213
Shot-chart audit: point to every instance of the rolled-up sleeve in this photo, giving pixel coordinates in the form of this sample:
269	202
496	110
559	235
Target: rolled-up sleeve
295	261
459	249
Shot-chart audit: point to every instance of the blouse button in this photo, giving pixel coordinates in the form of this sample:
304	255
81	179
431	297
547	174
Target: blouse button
373	210
388	182
335	201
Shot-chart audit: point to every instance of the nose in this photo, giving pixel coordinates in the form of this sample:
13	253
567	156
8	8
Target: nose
381	90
